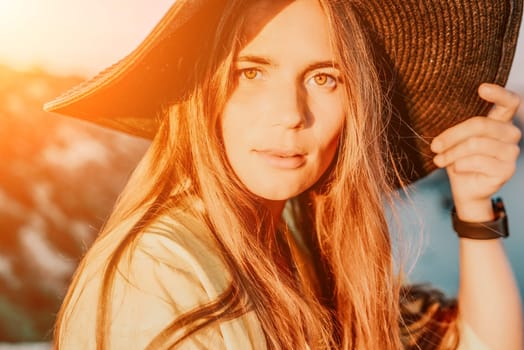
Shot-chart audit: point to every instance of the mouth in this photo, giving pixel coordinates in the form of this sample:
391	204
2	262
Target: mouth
286	159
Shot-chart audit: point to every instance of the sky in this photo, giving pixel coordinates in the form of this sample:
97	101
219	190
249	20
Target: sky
74	36
84	36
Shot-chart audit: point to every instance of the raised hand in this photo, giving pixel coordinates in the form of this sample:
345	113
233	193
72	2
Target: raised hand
480	153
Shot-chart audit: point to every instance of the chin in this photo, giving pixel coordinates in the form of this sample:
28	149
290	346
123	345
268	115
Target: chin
277	194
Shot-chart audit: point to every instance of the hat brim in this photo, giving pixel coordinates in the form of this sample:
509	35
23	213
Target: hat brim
130	95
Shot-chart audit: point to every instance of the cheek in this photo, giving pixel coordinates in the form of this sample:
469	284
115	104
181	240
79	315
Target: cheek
238	115
234	125
327	153
330	116
330	119
231	144
231	119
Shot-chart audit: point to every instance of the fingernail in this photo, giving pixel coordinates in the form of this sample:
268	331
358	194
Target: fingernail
436	146
487	89
437	160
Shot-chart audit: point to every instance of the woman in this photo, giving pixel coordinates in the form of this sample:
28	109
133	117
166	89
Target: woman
256	220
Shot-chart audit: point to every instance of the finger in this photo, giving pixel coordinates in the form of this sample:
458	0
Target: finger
475	127
506	102
485	165
478	146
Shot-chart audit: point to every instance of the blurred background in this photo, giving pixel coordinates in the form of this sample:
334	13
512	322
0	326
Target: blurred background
60	177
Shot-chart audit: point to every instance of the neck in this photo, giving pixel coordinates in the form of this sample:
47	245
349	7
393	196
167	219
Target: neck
275	208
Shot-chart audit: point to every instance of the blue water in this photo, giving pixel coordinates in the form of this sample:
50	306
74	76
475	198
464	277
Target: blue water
428	216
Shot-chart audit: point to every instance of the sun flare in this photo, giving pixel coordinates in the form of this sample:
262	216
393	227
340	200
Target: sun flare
73	37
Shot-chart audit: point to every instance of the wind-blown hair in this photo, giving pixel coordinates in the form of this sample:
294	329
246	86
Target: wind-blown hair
341	217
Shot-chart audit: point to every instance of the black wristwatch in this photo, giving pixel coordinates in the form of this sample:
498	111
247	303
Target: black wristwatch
498	228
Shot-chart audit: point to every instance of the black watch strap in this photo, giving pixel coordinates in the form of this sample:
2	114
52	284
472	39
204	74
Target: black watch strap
498	228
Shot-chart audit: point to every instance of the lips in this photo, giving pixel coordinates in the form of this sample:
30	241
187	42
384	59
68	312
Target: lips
285	159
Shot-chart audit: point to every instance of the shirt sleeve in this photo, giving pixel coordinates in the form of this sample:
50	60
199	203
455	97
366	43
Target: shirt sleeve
153	288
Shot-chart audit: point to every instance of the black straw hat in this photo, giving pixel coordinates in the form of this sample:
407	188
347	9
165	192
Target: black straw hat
433	55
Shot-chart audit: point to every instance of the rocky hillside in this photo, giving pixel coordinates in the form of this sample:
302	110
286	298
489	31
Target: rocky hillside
58	182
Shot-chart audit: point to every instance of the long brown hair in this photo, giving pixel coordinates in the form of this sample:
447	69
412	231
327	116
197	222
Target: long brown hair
341	217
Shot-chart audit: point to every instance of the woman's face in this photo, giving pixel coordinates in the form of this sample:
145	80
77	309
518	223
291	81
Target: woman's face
282	122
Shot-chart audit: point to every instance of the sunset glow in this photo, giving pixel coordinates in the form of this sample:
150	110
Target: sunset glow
79	37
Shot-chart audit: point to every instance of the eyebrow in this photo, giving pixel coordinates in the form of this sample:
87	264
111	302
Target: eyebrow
256	59
268	62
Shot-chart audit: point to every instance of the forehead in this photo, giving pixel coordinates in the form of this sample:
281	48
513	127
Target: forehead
280	26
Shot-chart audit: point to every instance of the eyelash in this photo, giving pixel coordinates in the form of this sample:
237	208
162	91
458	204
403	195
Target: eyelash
332	80
241	73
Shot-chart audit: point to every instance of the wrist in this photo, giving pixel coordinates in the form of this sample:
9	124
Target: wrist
475	211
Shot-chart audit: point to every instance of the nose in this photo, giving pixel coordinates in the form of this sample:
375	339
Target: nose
289	106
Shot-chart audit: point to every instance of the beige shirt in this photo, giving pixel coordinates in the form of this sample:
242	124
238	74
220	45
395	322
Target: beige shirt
174	269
